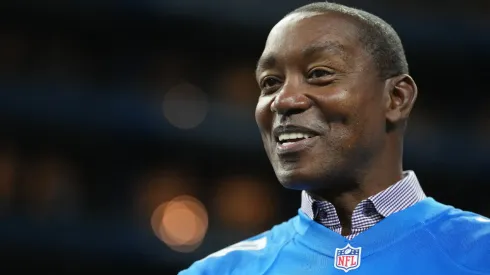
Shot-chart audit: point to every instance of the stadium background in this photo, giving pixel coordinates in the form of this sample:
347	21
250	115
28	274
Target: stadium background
127	135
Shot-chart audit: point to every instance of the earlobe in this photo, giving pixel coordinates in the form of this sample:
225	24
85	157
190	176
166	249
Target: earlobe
402	92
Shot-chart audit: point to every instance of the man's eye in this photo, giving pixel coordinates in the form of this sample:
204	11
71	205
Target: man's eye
318	73
269	82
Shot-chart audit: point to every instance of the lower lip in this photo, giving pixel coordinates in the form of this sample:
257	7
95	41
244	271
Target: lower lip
295	147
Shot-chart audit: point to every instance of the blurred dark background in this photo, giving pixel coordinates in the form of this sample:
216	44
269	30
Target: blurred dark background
127	132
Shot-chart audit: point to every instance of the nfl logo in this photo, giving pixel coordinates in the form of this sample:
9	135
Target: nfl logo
347	258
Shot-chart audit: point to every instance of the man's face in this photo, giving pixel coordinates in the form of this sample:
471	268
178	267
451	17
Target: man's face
321	108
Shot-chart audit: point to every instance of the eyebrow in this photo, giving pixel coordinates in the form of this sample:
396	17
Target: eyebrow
265	62
335	47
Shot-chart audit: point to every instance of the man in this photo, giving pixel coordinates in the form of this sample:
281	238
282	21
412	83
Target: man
335	99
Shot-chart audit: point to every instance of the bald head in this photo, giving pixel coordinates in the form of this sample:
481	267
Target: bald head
377	37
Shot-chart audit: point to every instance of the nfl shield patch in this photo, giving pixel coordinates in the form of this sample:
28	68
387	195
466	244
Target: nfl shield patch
347	258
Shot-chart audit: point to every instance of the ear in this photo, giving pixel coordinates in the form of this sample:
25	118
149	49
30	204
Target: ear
402	93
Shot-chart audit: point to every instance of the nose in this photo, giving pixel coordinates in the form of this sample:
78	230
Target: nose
290	100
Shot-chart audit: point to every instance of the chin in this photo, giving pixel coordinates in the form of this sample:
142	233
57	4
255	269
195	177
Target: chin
310	177
298	179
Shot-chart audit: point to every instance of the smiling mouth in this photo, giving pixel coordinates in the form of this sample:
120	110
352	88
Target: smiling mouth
294	142
286	138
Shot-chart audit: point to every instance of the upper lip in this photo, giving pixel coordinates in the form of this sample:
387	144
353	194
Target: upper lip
287	129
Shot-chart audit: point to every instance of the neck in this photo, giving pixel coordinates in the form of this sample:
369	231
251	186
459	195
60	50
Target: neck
382	172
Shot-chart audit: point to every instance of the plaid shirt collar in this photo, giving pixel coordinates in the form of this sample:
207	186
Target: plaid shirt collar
370	211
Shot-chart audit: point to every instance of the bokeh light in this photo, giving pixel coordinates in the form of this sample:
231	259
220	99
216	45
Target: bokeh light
161	185
8	166
49	186
244	203
239	87
185	106
181	223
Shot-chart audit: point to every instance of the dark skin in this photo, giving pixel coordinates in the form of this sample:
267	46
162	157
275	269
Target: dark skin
315	73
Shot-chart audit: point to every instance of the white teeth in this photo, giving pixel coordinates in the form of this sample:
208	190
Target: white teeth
290	136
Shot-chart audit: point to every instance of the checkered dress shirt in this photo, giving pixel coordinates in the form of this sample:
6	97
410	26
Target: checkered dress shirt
370	211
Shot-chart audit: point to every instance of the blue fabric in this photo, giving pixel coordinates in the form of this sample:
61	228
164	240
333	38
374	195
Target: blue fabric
426	238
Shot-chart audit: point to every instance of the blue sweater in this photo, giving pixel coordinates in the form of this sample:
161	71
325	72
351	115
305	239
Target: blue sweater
427	238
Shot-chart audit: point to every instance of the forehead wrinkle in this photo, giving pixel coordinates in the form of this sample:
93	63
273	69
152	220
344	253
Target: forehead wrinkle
334	47
326	42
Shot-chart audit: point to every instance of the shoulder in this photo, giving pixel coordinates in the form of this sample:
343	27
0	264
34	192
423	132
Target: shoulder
243	255
465	237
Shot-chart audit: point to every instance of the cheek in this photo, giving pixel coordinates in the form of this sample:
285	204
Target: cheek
263	115
364	123
338	106
347	116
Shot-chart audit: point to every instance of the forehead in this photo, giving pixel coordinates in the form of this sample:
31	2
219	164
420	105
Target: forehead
300	31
